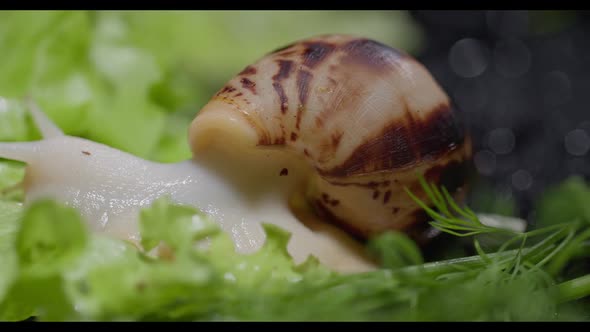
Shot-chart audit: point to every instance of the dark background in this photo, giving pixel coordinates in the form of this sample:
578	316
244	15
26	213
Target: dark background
522	81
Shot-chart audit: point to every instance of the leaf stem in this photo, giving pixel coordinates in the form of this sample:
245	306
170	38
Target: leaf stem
532	255
574	289
453	265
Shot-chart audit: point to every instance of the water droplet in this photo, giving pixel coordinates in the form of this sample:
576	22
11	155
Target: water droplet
468	57
577	142
522	179
512	58
485	162
501	140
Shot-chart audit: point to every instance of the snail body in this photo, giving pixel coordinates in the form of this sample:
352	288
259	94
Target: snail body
335	123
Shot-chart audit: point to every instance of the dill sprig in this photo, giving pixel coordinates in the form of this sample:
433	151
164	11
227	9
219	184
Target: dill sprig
451	218
547	250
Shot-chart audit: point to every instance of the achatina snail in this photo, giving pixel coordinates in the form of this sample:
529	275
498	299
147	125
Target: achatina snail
338	123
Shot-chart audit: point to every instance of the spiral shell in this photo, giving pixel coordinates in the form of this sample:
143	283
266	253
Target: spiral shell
366	117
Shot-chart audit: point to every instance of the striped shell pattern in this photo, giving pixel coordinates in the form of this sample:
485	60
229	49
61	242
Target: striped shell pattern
367	118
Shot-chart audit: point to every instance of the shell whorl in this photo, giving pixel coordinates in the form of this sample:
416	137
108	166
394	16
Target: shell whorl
368	118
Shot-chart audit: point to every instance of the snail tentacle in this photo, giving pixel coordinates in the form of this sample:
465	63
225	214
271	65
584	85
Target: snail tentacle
27	151
47	127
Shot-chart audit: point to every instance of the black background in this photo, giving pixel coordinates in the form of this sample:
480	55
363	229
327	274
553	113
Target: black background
531	78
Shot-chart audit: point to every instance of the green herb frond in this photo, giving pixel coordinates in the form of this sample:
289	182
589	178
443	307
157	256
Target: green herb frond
543	252
450	218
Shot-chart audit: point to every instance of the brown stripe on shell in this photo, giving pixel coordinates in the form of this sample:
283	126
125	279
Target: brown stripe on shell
282	48
390	149
226	89
300	111
303	81
370	54
283	73
386	197
283	138
248	84
249	70
441	132
316	52
395	146
376	194
293	136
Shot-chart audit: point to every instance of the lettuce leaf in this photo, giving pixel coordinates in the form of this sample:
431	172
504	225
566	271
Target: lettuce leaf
10	213
64	272
84	74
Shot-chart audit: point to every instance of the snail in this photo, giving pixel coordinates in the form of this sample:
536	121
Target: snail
319	138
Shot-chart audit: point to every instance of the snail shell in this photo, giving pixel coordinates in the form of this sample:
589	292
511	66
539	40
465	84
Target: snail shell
368	119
